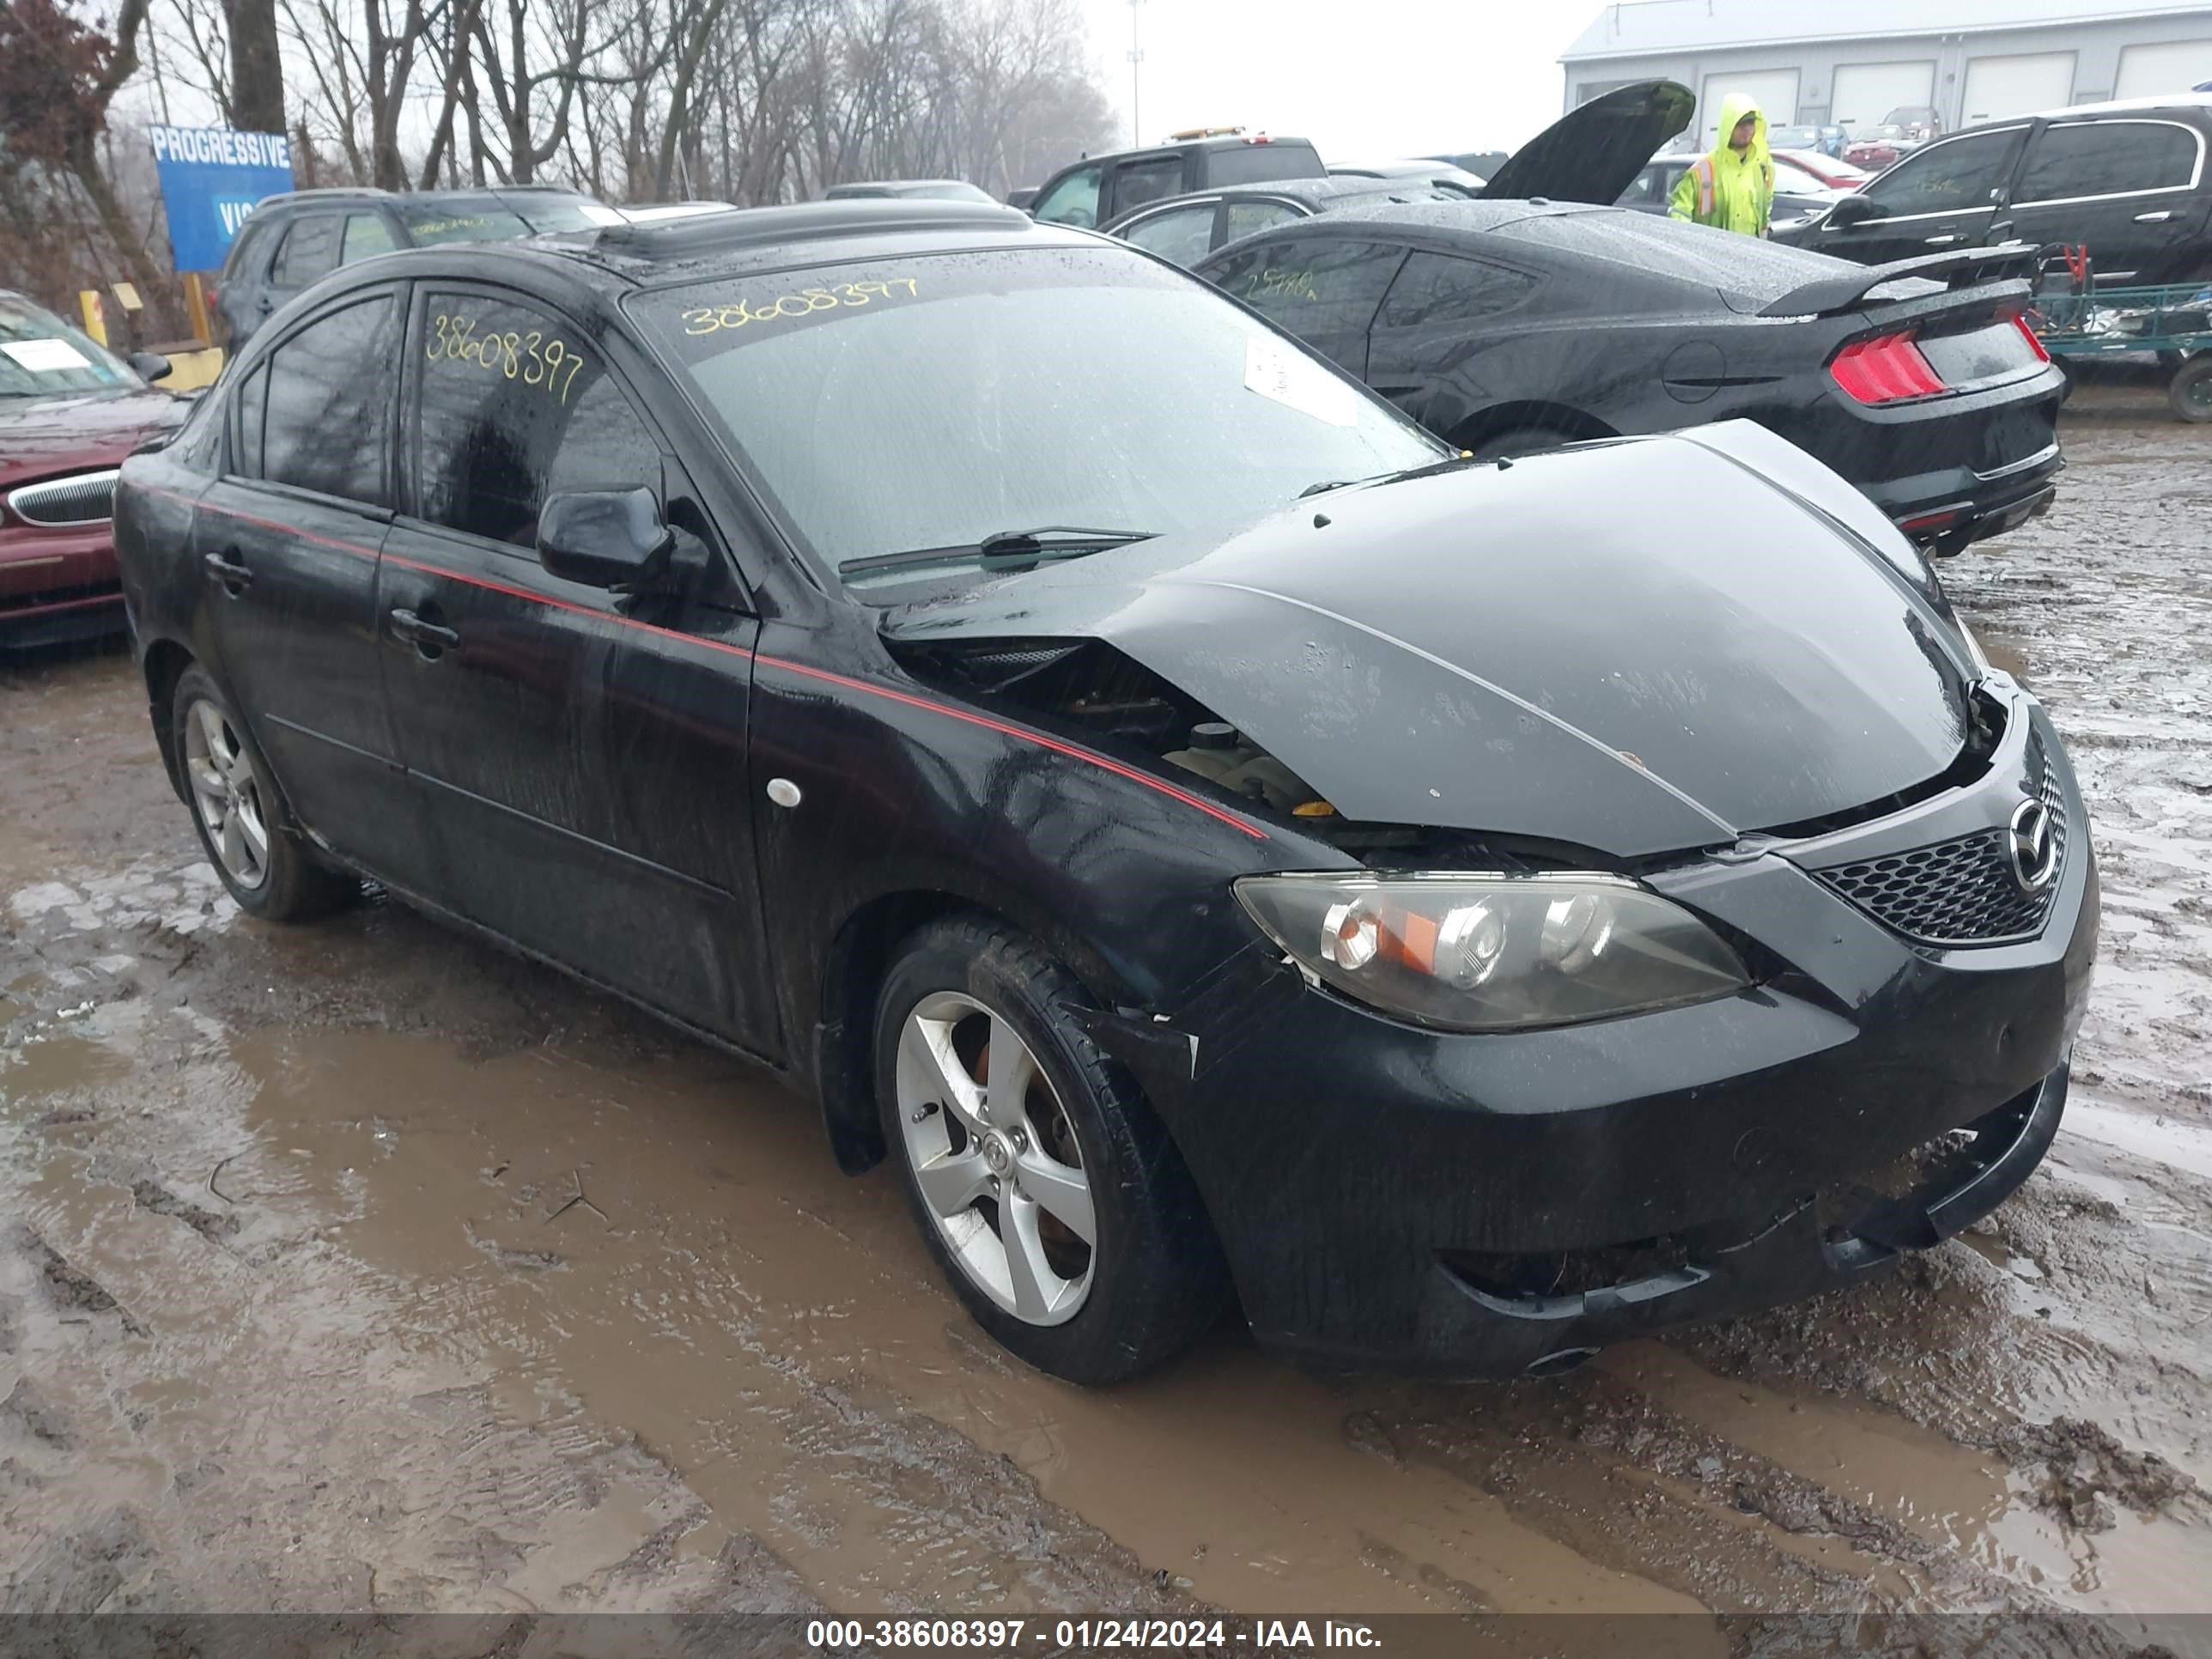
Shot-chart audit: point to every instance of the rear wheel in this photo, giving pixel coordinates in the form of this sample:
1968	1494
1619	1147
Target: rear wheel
1045	1188
2190	392
237	810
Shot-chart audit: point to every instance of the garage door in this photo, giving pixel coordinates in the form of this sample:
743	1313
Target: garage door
1864	94
2171	66
1776	91
1998	87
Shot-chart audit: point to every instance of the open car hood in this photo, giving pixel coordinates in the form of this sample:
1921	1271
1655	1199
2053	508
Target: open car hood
1594	153
1640	646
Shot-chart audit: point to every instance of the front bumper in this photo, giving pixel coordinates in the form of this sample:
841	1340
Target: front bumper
59	586
1482	1204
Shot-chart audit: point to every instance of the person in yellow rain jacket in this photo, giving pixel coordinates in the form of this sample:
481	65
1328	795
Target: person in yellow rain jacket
1732	186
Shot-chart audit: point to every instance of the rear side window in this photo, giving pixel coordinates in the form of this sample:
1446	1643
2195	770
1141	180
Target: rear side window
329	421
2106	158
310	250
1248	218
1136	183
1255	164
1436	289
516	408
1948	176
1313	285
366	235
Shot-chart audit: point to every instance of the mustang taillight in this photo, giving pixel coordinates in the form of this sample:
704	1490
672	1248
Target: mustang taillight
1886	369
2034	343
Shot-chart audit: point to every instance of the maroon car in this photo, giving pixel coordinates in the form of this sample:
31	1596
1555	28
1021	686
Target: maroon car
70	411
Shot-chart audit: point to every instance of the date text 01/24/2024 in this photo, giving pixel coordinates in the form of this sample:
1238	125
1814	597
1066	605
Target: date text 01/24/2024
1023	1635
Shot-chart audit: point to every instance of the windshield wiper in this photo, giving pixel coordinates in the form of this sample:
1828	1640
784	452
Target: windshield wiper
1006	549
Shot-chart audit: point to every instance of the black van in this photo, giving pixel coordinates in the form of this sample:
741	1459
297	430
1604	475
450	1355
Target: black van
1102	188
2129	180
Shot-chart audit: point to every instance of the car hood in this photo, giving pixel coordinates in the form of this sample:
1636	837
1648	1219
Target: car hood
1594	153
1638	646
41	436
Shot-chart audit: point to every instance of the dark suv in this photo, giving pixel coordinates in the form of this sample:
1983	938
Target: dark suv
295	239
1102	188
2127	180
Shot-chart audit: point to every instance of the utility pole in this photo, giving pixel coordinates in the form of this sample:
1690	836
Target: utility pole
1136	81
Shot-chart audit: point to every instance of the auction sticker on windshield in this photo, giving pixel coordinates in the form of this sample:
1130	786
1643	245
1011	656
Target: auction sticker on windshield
46	356
1294	380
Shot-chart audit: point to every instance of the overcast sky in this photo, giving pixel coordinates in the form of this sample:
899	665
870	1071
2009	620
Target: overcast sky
1382	79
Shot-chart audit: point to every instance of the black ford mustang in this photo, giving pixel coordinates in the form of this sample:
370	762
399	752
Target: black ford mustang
1216	841
1515	323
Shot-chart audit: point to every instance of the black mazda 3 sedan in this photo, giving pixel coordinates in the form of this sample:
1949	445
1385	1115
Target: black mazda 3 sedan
1220	846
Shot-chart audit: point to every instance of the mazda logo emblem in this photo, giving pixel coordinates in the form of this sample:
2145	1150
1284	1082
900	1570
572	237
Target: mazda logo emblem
2032	840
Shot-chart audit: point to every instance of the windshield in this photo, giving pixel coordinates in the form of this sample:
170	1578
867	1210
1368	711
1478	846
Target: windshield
932	402
41	356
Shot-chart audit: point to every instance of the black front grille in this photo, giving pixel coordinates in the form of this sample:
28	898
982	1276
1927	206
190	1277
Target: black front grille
87	498
1960	891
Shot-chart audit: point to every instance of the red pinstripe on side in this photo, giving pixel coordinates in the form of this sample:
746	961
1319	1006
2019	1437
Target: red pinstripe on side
1020	734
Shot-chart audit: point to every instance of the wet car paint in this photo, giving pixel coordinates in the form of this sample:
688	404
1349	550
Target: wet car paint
917	799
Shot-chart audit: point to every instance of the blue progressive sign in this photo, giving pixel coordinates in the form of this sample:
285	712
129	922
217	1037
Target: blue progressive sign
211	177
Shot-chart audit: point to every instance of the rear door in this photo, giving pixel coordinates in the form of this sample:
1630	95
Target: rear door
585	753
1143	178
288	541
1424	354
1325	290
2125	188
1946	196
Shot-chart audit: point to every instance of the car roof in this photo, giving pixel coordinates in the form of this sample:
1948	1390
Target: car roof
1218	141
1308	192
2175	102
704	246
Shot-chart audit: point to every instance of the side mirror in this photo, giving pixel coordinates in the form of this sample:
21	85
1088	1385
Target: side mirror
1854	209
148	366
610	538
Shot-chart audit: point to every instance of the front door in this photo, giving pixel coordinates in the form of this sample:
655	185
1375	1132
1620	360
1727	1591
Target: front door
1426	354
1947	196
286	543
585	754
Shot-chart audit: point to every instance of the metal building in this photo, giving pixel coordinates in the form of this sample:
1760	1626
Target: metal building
1854	61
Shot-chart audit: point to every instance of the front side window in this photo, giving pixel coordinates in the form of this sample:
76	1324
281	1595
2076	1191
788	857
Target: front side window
2106	158
1437	289
924	404
1957	174
514	407
310	250
1312	285
366	236
1072	201
1182	234
329	405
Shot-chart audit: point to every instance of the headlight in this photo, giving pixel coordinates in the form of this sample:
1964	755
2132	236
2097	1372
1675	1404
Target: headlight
1494	952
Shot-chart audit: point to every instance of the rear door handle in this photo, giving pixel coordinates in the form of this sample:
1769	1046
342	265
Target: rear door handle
427	637
1944	241
2157	218
225	568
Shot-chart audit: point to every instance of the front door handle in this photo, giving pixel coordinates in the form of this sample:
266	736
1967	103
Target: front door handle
225	567
427	637
1944	241
2157	218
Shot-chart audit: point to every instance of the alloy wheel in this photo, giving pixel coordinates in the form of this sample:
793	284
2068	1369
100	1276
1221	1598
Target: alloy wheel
995	1158
227	795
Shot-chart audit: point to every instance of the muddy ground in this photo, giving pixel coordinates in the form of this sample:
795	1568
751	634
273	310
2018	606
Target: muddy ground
359	1267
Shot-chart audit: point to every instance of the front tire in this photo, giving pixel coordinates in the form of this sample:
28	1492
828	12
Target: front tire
238	813
1061	1213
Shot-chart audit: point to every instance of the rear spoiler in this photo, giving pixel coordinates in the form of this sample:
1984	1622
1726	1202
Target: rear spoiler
1962	268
